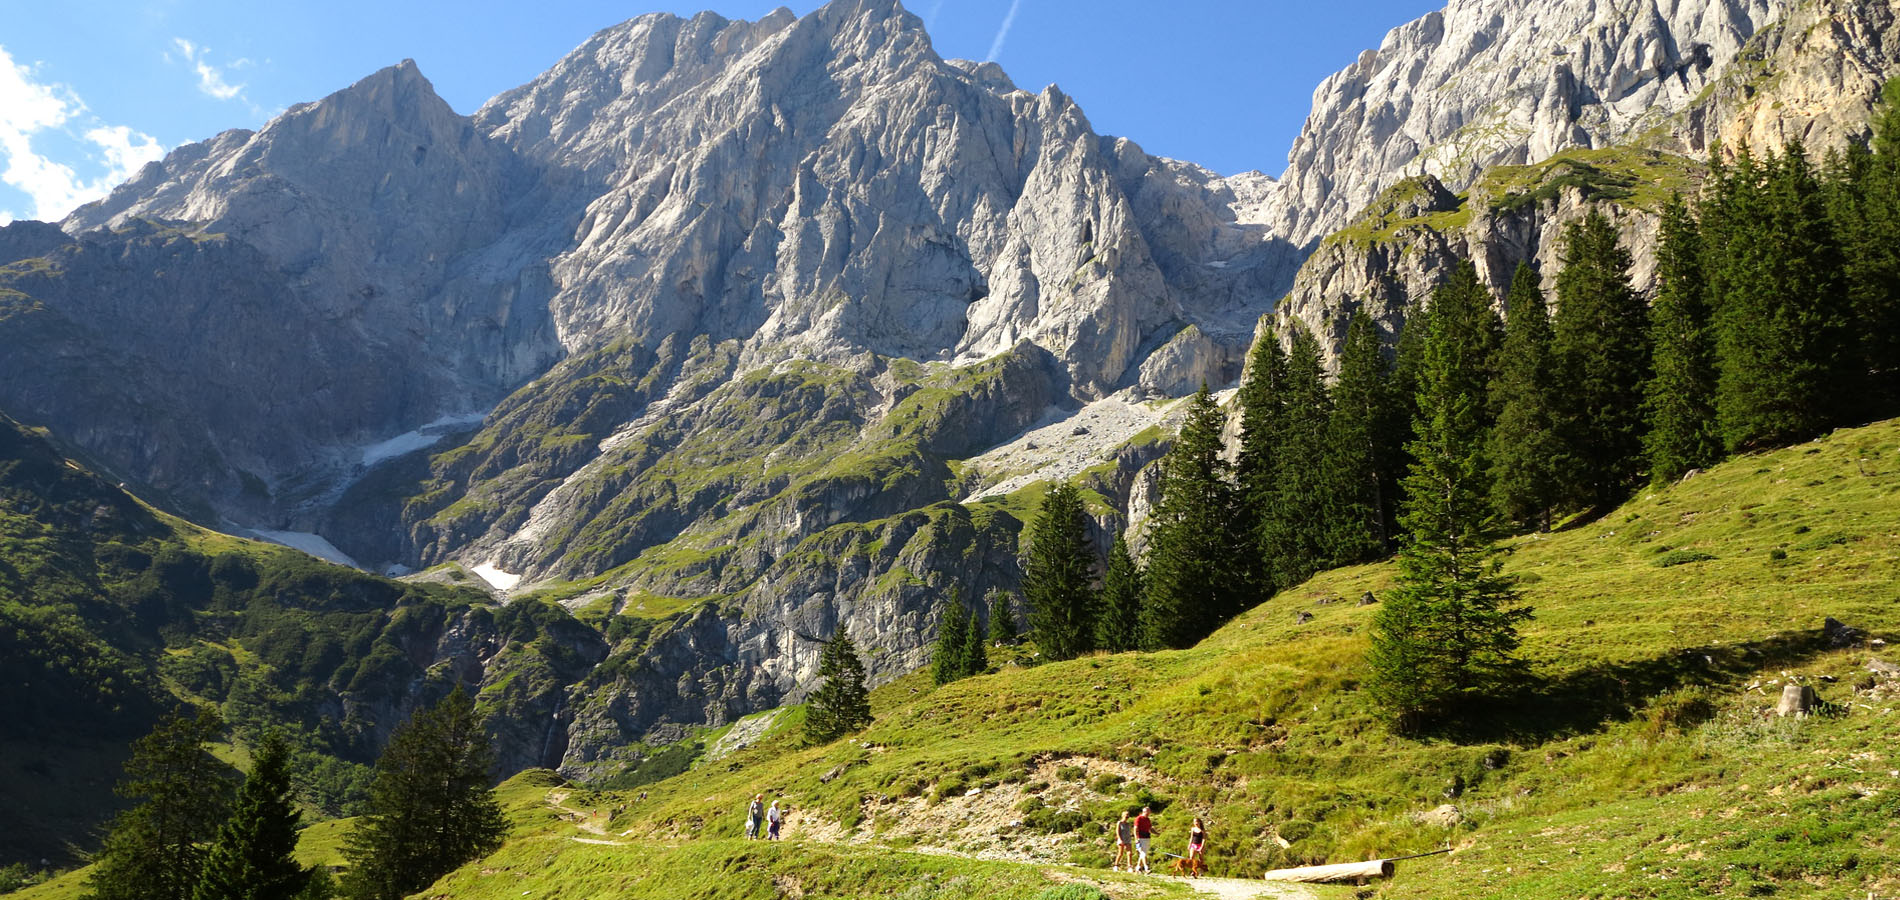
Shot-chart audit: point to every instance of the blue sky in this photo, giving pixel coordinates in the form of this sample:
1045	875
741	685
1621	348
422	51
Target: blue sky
91	89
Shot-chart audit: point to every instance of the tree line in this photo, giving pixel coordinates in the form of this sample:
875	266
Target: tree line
1774	318
189	836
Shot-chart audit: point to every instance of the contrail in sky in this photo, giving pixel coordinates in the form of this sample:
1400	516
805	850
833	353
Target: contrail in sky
1002	34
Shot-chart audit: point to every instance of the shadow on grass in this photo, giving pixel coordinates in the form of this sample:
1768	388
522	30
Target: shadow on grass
1585	700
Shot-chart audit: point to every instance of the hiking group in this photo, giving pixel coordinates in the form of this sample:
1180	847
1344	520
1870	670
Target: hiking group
758	814
1133	838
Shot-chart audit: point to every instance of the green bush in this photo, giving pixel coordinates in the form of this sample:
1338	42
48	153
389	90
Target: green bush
1105	783
1071	773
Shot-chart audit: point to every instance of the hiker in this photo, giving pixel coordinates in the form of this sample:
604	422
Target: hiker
1197	845
754	815
1144	831
774	819
1124	843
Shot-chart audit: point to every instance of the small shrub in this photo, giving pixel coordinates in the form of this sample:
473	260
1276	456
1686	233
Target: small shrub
1105	783
1071	773
1296	830
1035	787
1777	553
950	786
1681	557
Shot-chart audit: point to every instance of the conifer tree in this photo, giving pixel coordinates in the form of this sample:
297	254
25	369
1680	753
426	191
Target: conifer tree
1447	633
154	850
842	704
252	856
1262	419
1601	346
976	656
1408	360
1783	340
1679	399
1360	460
1194	576
1294	525
431	807
1058	574
1119	628
1863	199
1002	620
948	661
1526	453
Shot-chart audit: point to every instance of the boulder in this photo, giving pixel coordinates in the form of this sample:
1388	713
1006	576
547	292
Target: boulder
1796	700
1839	635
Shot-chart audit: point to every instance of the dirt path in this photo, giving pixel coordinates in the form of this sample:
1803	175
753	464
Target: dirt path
1224	888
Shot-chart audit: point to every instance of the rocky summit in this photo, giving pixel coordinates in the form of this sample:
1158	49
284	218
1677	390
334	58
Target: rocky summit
753	331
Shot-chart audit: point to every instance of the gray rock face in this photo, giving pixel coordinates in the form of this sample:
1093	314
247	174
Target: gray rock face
1489	82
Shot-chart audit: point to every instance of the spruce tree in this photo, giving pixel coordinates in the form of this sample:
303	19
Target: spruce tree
1408	360
1294	525
155	849
1262	419
976	657
431	807
1058	574
1447	633
1002	620
1194	576
1601	346
1679	400
1360	479
842	704
1119	627
1526	453
948	661
1783	340
252	856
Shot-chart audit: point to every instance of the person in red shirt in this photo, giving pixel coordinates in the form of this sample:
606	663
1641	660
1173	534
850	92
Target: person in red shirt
1144	831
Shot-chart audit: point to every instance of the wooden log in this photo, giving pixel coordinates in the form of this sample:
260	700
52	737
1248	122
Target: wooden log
1375	868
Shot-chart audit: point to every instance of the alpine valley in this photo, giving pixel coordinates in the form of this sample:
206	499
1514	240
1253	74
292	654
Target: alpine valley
614	400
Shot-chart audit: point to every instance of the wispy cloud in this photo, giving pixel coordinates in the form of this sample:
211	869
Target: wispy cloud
30	107
930	18
1002	33
211	80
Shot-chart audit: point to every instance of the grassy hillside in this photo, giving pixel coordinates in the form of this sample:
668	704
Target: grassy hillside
1644	763
111	612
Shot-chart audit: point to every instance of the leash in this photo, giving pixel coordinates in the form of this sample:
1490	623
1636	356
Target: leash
1417	855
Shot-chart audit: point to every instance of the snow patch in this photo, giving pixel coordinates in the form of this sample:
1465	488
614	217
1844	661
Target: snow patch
411	441
496	578
314	544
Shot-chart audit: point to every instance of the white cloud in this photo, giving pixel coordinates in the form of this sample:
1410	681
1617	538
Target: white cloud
1002	33
29	107
210	79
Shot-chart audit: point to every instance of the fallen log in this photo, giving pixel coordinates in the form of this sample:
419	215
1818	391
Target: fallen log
1376	868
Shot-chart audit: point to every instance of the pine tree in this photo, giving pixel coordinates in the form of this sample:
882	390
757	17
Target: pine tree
1002	620
1601	346
430	807
1262	418
1526	453
976	657
1119	628
842	704
1194	580
1679	400
252	856
1408	360
1446	634
1294	526
948	661
1863	200
154	851
1057	576
1360	479
1783	341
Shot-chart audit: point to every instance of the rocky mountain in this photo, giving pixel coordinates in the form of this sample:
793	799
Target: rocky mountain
739	334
